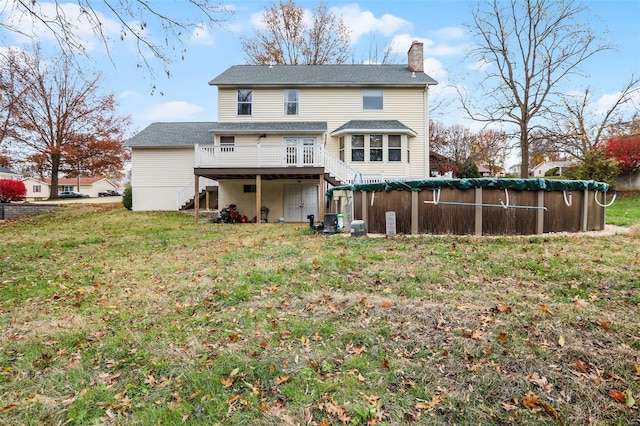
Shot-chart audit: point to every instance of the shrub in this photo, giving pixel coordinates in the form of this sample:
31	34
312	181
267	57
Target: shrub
626	150
127	198
552	172
11	190
597	166
470	170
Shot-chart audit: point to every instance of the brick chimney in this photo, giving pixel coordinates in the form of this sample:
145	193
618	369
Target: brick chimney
416	57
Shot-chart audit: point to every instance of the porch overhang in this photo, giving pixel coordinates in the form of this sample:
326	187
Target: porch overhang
266	173
373	126
270	128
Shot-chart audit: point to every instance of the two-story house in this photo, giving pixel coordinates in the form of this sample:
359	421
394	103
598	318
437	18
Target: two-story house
285	132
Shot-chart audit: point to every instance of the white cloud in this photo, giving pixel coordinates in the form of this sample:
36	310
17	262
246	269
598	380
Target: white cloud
402	42
202	35
434	68
450	33
75	21
129	94
362	22
606	101
173	110
480	65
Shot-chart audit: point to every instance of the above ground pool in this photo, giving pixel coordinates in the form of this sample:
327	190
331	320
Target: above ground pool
483	206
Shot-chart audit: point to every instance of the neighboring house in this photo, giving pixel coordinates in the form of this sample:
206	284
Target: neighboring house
514	170
8	174
38	189
284	133
541	169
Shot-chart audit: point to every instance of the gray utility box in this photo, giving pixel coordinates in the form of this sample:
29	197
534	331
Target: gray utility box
358	229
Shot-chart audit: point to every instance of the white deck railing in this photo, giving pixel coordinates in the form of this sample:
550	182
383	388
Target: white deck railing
270	156
277	156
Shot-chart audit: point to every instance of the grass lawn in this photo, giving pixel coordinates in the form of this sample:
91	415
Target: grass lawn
625	211
116	317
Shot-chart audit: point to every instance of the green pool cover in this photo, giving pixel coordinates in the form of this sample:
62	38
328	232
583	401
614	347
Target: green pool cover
515	184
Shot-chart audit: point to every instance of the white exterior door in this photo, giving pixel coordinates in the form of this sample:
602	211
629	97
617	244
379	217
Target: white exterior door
300	152
299	202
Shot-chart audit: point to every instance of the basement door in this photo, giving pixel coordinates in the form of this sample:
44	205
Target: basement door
299	202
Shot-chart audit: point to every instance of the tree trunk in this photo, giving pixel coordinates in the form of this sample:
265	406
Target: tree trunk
524	151
55	168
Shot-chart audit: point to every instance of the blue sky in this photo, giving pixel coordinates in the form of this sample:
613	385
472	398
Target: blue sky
186	96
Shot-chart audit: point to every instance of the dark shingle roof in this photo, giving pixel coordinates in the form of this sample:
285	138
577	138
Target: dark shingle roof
179	134
173	134
271	127
321	75
7	171
386	126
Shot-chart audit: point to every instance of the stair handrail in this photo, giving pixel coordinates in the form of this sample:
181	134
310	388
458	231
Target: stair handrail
186	194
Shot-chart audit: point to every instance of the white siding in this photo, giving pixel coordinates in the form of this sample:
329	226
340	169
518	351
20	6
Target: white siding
336	106
232	192
157	174
98	187
29	184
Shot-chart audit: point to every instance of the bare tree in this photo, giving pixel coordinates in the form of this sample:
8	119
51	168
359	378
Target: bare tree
58	112
111	20
8	91
383	55
578	128
292	38
530	47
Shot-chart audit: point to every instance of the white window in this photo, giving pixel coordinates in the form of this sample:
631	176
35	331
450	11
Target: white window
37	188
227	143
372	99
341	149
375	147
394	148
67	188
357	148
291	101
244	101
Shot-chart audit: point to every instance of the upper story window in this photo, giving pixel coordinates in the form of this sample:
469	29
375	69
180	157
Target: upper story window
372	99
245	97
395	148
227	143
291	101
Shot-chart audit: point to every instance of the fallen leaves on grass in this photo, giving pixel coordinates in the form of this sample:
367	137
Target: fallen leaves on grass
334	409
540	381
604	324
534	403
618	396
625	397
436	399
387	304
8	408
282	379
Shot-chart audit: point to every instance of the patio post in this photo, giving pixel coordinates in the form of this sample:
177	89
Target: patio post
321	197
196	198
258	199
